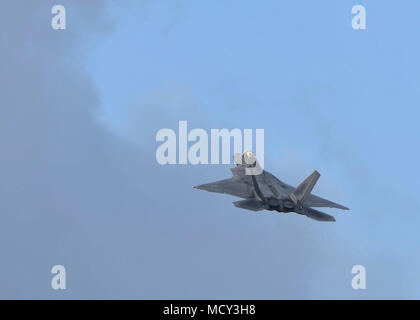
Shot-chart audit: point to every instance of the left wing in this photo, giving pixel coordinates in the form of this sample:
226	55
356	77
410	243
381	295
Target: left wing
233	186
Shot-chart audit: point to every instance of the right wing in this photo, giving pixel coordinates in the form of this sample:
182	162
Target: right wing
314	201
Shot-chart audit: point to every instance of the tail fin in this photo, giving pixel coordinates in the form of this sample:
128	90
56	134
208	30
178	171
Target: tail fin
305	188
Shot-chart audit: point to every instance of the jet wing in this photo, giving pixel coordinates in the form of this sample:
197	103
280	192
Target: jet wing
233	186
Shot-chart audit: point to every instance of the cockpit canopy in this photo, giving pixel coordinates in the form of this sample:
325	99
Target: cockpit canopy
247	158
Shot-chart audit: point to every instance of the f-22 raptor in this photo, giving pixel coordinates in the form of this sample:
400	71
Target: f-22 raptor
263	190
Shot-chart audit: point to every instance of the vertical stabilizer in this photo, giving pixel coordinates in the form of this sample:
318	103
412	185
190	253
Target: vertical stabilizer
305	188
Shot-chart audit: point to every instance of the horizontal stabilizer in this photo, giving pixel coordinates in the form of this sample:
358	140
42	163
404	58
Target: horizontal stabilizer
250	204
315	214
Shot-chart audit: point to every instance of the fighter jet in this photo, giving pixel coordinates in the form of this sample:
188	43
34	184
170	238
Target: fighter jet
262	190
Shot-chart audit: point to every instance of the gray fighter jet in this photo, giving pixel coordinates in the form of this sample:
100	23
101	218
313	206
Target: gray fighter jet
264	191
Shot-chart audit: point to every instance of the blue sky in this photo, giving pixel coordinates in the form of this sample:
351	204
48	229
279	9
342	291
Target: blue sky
340	100
330	98
276	66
